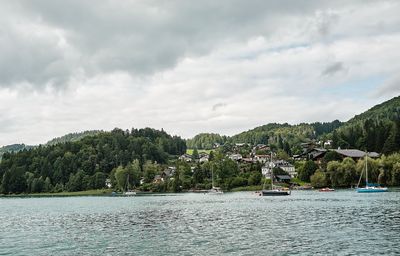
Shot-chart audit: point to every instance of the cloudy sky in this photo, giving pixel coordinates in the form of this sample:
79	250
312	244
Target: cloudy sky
191	66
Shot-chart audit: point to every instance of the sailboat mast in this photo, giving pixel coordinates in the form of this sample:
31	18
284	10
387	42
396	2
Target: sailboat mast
366	170
212	176
272	172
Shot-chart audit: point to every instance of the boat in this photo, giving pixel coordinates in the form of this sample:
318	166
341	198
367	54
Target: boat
274	191
326	190
214	190
128	191
369	187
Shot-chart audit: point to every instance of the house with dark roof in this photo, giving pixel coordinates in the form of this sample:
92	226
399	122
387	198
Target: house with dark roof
355	153
316	154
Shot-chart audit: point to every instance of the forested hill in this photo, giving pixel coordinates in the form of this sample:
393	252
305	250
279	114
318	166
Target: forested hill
71	137
388	110
13	148
377	129
278	135
285	136
55	167
205	140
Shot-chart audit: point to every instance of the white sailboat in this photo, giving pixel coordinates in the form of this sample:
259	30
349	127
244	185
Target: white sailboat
369	188
214	190
128	191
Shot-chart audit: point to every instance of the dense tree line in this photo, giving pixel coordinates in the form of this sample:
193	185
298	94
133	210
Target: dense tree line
205	141
347	172
13	148
228	174
84	164
326	127
382	136
377	129
71	137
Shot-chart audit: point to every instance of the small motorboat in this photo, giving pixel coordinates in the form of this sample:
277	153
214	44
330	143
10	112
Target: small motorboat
326	190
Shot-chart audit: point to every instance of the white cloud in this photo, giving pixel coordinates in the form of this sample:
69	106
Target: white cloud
188	68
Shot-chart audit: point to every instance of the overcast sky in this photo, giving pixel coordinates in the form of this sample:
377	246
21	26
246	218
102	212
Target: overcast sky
191	66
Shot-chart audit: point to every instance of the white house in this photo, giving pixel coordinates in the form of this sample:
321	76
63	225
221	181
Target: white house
186	158
235	157
261	158
287	167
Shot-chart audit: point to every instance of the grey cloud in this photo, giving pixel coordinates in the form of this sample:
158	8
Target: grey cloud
390	87
138	37
325	22
333	69
217	106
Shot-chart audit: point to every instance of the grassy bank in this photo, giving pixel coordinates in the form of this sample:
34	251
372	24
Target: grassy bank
95	192
190	151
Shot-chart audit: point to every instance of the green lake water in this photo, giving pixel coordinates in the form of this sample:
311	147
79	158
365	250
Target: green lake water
305	223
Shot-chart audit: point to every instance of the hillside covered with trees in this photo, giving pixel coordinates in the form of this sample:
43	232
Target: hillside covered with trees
87	163
377	129
71	137
205	141
13	148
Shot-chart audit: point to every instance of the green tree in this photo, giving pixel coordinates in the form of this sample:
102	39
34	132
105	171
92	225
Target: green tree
76	181
318	179
396	174
121	177
255	178
47	187
150	170
309	168
99	180
195	155
282	155
134	172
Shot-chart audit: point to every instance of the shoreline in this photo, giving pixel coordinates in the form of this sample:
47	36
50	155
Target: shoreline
111	193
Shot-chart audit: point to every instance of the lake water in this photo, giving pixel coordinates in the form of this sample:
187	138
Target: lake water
305	223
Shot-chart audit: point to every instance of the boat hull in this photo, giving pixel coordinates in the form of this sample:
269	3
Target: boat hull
129	193
275	193
326	190
215	191
371	190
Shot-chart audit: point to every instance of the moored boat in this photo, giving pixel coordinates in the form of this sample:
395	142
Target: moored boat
214	190
326	190
128	191
274	191
369	187
372	189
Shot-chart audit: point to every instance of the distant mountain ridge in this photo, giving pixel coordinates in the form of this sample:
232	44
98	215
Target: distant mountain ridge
71	137
377	129
13	148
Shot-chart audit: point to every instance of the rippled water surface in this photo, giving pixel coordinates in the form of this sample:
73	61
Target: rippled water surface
305	223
